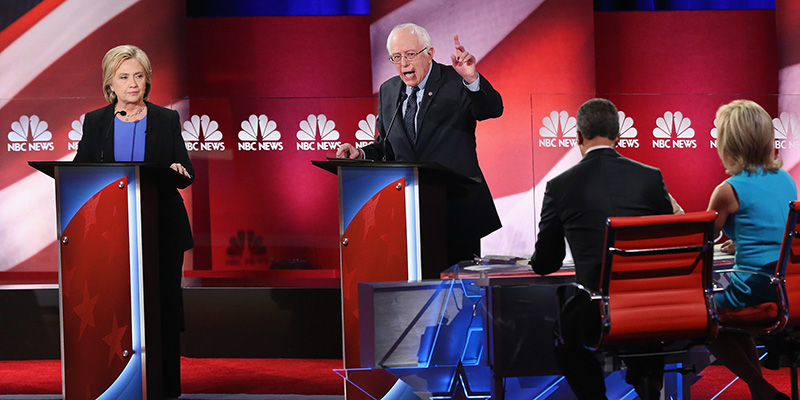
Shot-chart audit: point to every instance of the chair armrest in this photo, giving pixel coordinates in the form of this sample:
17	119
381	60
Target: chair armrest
561	289
771	278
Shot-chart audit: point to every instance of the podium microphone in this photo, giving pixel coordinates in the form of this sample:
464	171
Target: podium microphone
105	138
400	102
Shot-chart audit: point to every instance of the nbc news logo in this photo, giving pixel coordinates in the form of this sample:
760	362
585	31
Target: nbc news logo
76	133
366	132
202	134
627	133
307	135
787	130
259	133
555	123
683	133
30	134
246	249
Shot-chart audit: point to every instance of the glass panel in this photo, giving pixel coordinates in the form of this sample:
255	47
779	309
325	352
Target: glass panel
673	132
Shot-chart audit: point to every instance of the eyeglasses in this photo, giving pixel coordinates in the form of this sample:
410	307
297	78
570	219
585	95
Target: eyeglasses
409	55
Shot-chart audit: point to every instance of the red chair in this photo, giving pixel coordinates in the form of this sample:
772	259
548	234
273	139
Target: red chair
656	282
656	292
776	323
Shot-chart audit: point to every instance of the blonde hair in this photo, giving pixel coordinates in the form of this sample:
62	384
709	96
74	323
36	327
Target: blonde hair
746	138
114	58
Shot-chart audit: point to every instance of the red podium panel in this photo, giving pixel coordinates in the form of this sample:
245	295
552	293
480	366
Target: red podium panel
95	294
108	279
392	227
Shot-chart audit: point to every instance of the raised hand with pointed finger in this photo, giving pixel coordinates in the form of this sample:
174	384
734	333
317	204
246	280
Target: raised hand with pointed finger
464	62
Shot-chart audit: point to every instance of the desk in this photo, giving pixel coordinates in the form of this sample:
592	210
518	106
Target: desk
479	330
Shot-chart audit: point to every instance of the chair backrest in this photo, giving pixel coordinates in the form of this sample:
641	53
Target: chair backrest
788	270
656	279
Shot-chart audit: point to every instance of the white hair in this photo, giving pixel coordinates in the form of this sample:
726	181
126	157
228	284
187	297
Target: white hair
422	34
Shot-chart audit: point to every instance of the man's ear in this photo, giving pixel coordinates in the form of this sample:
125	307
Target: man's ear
580	138
616	141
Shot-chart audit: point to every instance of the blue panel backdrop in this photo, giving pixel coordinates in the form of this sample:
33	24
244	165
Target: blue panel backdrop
254	8
672	5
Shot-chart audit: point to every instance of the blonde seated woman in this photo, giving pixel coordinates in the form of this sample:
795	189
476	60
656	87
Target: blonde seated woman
752	207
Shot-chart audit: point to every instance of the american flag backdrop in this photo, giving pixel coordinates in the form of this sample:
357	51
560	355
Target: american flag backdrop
666	71
50	72
262	95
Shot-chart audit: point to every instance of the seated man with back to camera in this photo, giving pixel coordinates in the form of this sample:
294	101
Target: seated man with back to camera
576	205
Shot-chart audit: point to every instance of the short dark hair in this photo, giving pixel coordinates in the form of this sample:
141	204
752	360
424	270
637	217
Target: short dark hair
598	117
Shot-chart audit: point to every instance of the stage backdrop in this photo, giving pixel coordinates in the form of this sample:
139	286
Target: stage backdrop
263	92
50	72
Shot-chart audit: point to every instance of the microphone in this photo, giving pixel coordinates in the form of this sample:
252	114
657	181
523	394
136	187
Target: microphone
105	138
403	97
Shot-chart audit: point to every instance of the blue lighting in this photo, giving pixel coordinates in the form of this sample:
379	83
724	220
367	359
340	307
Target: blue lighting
261	8
550	389
678	5
460	379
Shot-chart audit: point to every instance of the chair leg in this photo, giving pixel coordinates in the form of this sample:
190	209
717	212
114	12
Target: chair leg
793	378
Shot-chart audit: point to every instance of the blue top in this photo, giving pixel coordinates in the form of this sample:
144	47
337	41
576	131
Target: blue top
129	139
757	229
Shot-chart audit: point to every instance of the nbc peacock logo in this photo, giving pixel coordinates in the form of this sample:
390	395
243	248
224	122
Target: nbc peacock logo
307	135
246	248
76	133
259	133
627	133
673	131
30	134
367	131
787	131
200	133
555	123
712	144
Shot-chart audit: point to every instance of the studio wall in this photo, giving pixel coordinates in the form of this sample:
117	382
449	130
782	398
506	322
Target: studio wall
261	96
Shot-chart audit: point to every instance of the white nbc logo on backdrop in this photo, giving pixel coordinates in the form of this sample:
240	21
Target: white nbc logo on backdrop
553	124
627	133
714	132
262	127
30	134
202	127
76	133
787	130
367	131
683	132
307	135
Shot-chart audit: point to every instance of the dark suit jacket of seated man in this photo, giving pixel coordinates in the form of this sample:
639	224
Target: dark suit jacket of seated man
576	205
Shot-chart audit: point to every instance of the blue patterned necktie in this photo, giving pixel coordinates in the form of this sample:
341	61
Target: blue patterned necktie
409	116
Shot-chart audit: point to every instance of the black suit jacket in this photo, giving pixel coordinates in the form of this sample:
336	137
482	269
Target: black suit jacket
578	202
446	124
163	146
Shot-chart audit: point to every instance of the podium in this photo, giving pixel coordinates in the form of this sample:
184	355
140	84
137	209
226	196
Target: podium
392	227
108	278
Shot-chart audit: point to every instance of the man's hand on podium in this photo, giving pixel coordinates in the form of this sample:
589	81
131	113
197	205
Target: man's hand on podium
347	150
